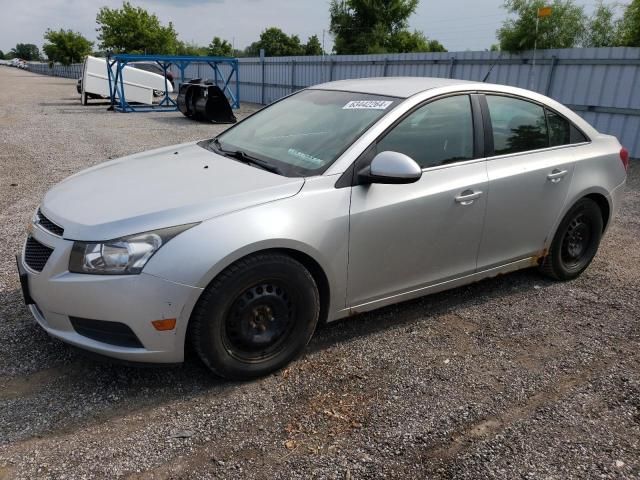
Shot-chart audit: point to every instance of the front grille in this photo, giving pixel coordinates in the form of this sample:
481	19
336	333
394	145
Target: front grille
36	254
113	333
48	224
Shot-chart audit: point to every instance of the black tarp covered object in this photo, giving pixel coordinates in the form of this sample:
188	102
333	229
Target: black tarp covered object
204	101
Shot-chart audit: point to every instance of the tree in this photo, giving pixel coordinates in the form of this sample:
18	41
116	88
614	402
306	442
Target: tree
435	46
191	48
25	51
220	48
601	28
629	31
66	46
563	29
406	41
1	55
313	46
376	26
276	43
134	30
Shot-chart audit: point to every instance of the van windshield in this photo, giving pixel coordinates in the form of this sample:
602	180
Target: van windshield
305	133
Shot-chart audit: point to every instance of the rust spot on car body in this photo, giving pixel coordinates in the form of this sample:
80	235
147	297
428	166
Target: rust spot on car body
538	259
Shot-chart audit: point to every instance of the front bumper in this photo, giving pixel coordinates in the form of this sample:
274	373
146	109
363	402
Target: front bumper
133	300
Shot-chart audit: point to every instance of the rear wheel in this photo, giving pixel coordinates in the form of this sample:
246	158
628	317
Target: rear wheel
576	241
255	317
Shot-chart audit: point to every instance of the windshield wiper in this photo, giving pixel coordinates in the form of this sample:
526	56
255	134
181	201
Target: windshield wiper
246	158
216	142
249	160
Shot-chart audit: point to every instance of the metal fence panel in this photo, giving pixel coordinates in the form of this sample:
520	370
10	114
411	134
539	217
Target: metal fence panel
600	84
66	71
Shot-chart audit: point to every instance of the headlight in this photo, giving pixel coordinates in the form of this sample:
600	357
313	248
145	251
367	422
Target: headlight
122	256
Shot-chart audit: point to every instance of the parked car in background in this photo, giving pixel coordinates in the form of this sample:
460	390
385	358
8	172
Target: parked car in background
339	199
19	63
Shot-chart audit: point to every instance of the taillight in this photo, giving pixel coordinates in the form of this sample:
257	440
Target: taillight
624	156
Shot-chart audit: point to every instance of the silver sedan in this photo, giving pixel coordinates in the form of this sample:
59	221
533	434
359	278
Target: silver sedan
339	199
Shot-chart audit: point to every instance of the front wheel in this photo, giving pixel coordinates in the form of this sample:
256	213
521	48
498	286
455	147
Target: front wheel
576	241
255	317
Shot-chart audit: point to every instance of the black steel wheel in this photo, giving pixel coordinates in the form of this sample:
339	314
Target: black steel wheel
259	322
576	241
255	317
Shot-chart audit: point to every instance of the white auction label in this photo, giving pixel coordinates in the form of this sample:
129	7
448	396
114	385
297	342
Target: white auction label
367	105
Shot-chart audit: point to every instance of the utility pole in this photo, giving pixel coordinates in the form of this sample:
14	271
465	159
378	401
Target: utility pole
542	12
323	30
535	47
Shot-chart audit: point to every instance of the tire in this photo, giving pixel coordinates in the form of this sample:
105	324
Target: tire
575	242
255	317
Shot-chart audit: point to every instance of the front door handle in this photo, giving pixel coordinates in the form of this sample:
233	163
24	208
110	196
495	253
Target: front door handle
468	196
556	175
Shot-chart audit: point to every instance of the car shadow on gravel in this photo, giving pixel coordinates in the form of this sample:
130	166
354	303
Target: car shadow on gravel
426	307
344	330
177	118
59	378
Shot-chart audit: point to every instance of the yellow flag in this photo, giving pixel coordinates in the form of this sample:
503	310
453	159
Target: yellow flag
544	12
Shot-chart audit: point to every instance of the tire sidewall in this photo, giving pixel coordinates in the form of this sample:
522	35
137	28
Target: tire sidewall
300	285
589	208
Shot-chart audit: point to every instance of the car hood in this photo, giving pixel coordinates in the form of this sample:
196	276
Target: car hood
159	188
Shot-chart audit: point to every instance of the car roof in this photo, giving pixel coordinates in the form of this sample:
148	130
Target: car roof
402	87
405	87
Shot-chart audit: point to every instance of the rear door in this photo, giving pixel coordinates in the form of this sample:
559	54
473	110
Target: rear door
529	173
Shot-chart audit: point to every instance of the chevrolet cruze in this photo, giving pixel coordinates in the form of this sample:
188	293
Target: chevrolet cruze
339	199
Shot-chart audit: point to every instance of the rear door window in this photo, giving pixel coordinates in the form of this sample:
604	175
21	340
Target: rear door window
518	125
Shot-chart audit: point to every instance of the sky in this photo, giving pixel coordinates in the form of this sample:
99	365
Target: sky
457	24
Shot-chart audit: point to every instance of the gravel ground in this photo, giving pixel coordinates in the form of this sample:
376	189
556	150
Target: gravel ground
515	377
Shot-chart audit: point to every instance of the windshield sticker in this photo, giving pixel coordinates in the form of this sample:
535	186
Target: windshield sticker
367	105
306	158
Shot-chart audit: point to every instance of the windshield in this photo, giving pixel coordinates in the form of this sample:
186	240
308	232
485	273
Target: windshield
305	133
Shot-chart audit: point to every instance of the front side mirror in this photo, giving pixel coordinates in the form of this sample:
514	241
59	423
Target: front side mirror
390	168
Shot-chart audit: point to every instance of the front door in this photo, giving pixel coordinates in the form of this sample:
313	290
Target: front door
406	237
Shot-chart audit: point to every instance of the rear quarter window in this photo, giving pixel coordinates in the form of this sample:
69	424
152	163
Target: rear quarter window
562	131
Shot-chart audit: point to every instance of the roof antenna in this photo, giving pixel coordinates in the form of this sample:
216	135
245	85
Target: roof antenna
491	68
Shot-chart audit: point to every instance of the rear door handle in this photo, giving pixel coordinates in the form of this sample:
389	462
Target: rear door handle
468	196
556	175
